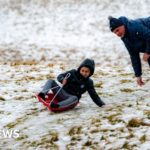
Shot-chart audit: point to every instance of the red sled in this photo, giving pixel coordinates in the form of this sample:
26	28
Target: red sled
48	100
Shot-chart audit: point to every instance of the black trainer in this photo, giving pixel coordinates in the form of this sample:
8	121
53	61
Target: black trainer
54	105
42	95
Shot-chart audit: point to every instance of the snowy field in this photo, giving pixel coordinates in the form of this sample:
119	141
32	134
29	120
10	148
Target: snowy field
40	39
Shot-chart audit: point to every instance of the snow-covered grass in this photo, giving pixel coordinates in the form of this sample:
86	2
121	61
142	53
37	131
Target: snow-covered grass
40	39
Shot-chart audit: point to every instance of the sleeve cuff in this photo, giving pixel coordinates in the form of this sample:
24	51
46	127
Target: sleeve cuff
138	75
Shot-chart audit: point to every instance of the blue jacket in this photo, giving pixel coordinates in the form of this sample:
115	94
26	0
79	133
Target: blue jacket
136	40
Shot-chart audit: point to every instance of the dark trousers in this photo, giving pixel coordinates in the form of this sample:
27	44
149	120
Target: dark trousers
63	97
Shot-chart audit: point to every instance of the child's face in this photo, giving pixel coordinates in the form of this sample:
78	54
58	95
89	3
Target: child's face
85	72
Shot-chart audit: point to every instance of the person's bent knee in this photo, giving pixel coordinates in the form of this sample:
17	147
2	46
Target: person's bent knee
51	80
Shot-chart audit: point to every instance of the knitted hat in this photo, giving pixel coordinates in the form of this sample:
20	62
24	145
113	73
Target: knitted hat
114	23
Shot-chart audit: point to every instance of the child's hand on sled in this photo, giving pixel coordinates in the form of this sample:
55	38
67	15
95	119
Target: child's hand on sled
64	82
139	81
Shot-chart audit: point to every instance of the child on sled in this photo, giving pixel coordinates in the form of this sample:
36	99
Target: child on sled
74	84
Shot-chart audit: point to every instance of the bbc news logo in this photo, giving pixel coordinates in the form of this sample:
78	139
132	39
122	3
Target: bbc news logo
5	133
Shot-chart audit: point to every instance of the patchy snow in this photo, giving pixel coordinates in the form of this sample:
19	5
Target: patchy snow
40	39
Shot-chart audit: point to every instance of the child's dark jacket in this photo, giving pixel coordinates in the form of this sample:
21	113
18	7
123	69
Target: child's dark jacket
77	85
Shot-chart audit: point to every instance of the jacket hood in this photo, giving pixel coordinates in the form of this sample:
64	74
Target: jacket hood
89	63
